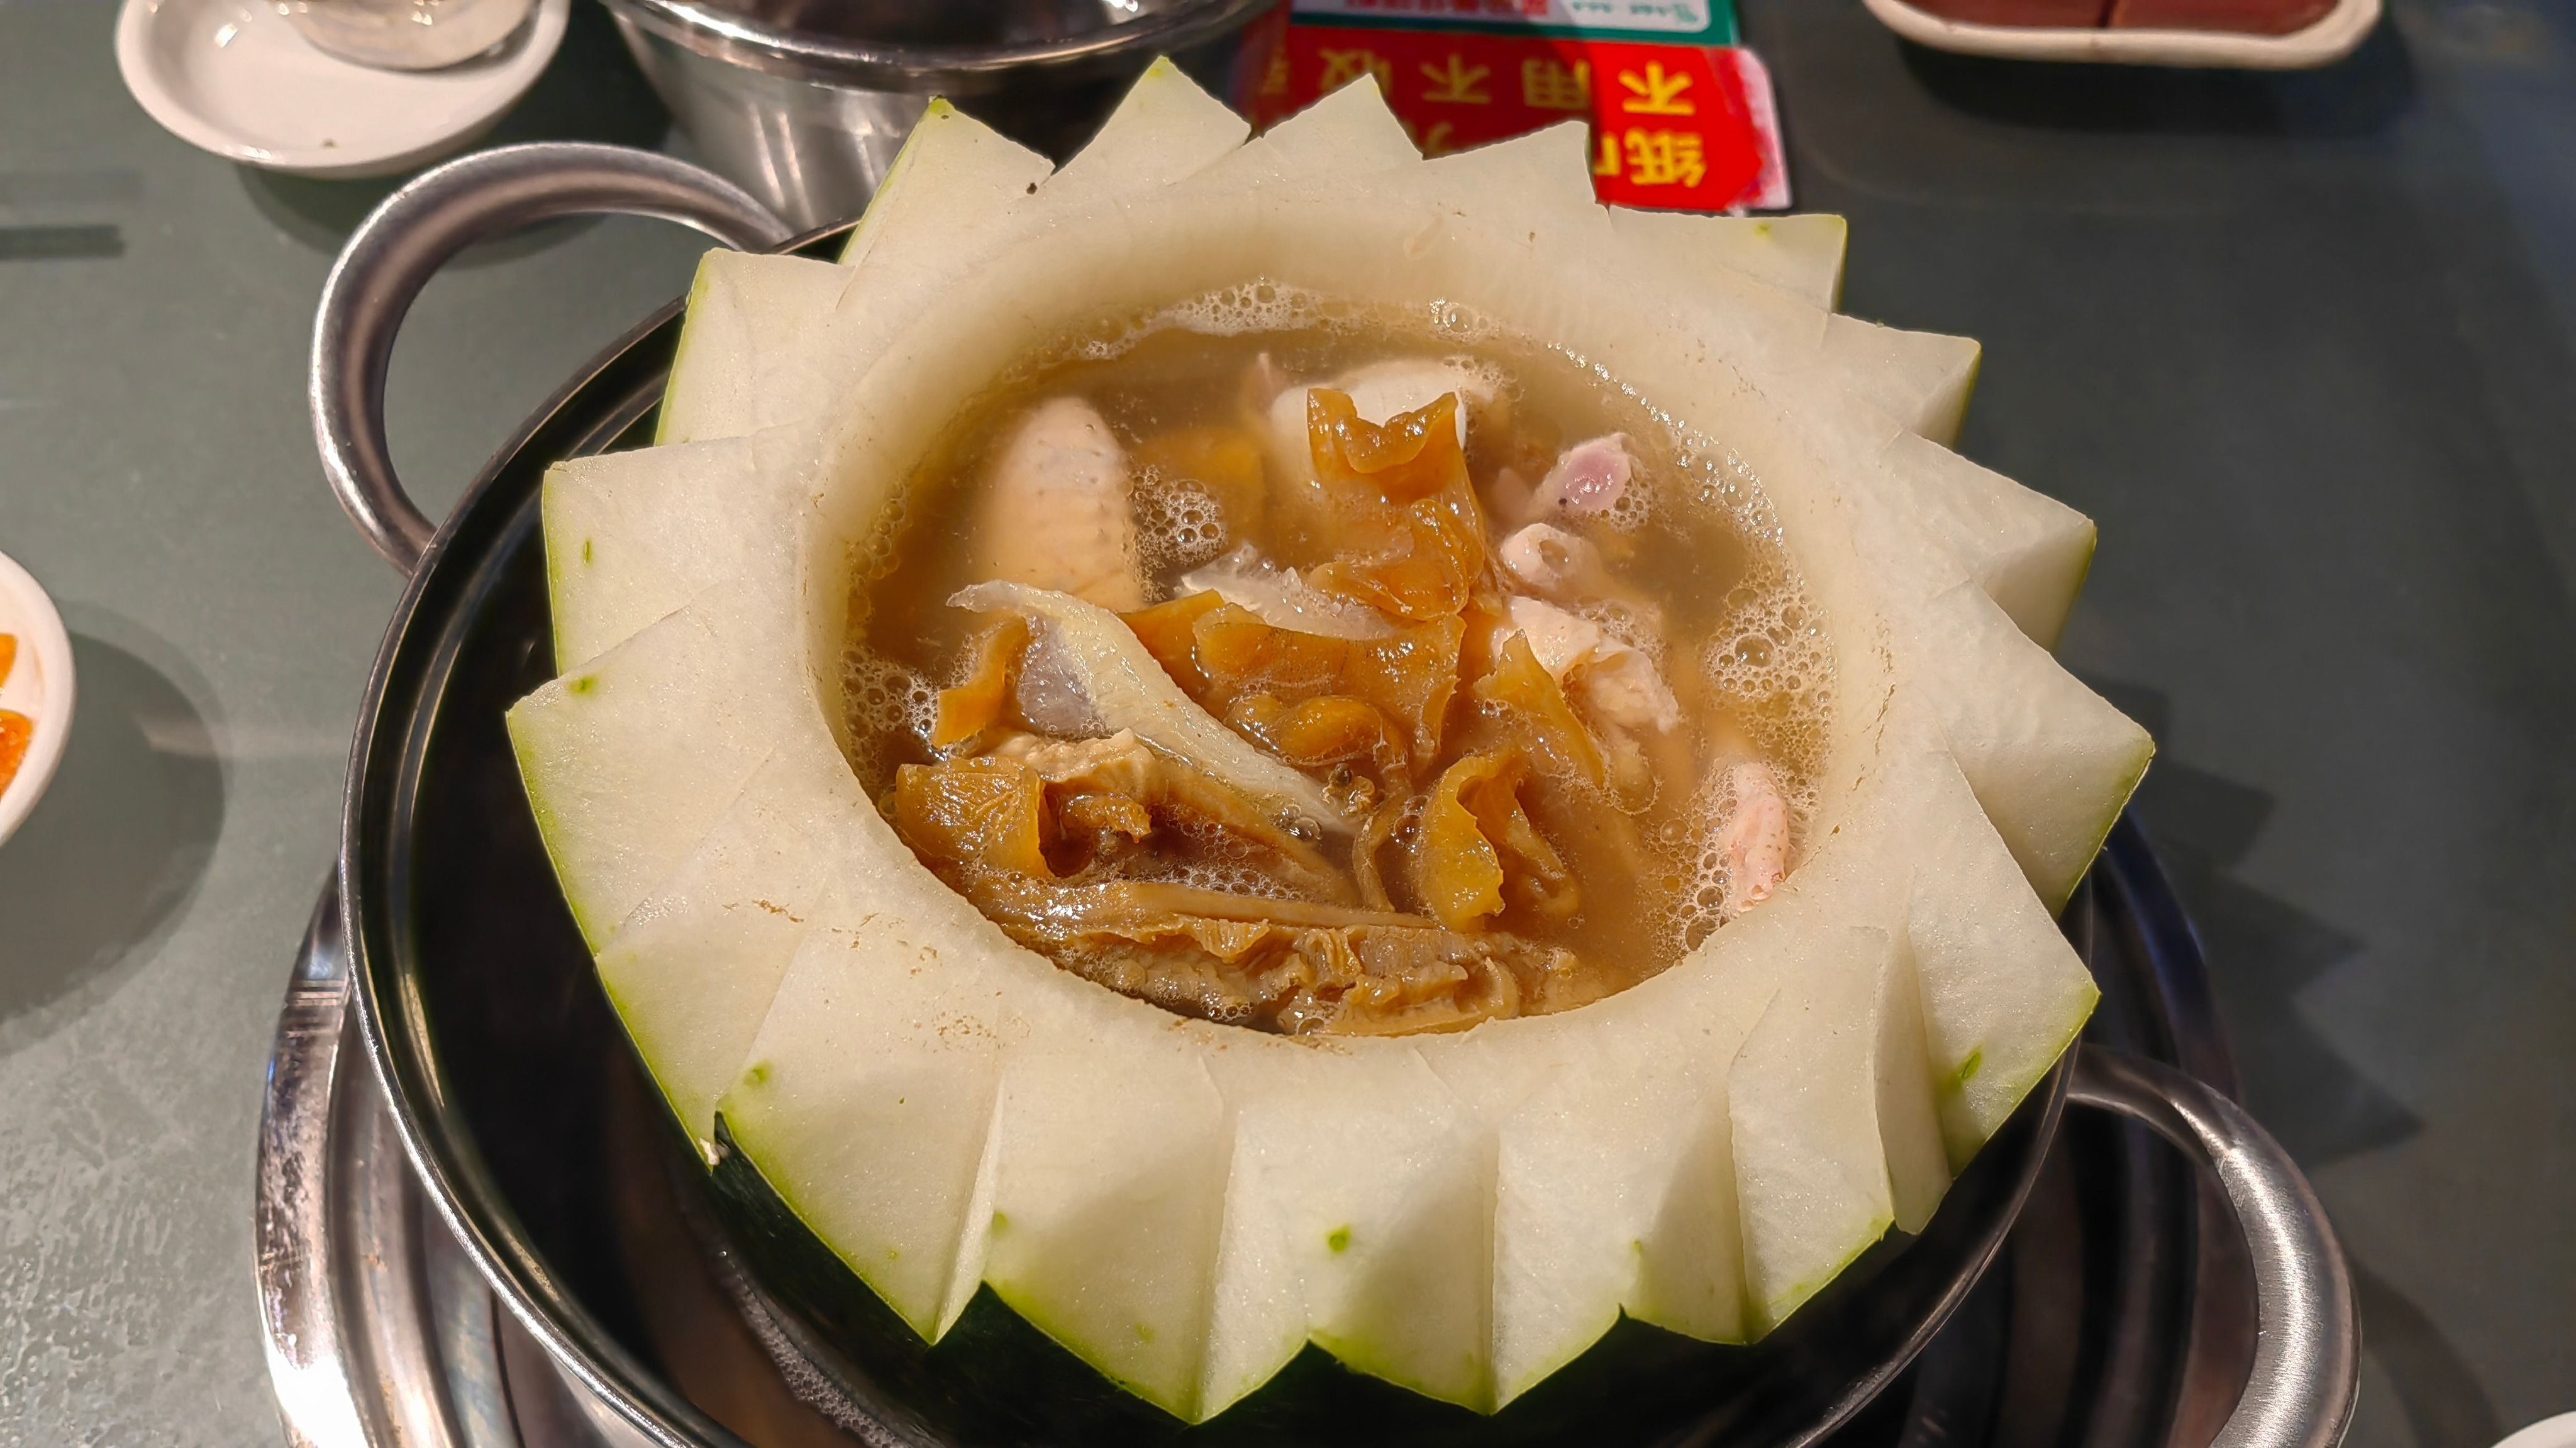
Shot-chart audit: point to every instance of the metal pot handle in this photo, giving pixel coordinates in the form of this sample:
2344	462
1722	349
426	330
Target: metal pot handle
415	231
2307	1355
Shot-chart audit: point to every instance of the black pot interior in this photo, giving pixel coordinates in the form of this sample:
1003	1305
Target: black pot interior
510	1066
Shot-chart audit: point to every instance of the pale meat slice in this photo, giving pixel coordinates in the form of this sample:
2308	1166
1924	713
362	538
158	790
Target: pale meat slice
1284	599
1751	832
1616	681
1553	563
1054	511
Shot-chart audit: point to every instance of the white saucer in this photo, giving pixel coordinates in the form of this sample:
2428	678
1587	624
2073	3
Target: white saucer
2558	1432
234	77
39	686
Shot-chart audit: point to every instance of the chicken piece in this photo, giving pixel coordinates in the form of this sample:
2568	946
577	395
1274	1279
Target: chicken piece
1617	682
1054	512
1751	834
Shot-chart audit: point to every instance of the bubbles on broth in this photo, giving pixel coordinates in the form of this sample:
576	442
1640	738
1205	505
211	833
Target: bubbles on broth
888	702
1254	306
1639	626
1210	859
1178	524
1768	659
1632	509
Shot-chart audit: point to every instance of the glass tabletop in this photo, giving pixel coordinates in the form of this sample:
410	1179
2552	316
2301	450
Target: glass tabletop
2305	345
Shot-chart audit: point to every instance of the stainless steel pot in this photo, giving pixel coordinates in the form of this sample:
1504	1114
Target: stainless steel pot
805	102
484	1029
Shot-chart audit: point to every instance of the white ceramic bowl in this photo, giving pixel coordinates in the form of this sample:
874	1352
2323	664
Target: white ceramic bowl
39	686
2329	39
234	77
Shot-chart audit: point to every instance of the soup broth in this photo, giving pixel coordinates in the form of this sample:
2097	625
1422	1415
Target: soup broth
1519	696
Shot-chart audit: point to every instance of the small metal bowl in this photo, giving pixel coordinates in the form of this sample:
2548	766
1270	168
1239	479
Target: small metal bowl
804	103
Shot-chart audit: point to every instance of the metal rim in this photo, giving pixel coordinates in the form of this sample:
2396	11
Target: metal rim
727	35
395	1035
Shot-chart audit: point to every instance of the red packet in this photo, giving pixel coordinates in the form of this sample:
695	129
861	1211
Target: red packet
1682	117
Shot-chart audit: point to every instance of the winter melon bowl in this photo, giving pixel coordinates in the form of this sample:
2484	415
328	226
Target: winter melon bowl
1255	747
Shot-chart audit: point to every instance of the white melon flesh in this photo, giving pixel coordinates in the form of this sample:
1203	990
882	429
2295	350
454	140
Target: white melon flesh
1613	1183
692	969
1074	1154
748	316
2050	760
2028	551
1800	255
629	761
2001	992
1357	1212
957	192
874	1114
1186	1205
633	536
968	173
1346	133
1166	129
1810	1170
1922	379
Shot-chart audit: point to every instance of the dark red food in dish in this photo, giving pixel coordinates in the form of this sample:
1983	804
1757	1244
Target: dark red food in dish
2243	17
2049	14
2250	17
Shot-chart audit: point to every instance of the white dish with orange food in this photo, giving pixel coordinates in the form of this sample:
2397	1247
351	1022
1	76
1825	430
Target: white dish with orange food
35	694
